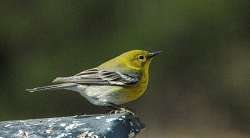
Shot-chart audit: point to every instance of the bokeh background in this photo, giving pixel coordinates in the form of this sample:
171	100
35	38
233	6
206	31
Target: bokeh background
199	86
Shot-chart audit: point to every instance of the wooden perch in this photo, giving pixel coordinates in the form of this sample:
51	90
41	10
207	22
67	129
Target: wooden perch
117	125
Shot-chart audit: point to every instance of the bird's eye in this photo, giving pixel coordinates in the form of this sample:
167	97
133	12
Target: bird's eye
142	58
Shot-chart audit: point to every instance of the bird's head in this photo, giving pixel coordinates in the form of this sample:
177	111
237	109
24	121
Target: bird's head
138	59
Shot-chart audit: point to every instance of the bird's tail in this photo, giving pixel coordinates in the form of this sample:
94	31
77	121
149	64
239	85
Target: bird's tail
52	87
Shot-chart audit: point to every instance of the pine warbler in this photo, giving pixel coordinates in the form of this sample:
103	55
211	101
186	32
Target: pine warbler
118	81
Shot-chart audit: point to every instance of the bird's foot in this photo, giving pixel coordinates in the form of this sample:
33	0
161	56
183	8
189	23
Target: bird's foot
116	109
124	110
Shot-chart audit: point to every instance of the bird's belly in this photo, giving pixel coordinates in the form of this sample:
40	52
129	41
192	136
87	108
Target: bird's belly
104	95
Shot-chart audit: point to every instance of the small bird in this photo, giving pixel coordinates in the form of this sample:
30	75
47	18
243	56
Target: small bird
116	82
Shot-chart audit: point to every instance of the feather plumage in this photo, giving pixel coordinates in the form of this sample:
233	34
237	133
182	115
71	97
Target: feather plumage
101	77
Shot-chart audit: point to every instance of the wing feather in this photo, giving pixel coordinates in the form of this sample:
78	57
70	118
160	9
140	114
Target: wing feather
96	76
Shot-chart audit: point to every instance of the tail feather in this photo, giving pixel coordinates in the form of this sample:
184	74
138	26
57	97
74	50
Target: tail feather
52	87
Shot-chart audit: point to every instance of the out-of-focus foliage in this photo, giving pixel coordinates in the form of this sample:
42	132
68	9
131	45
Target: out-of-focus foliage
199	87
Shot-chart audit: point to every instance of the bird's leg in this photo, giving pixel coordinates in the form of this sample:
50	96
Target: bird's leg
114	108
119	109
126	109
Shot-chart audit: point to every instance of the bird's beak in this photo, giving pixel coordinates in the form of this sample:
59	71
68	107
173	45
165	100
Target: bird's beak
153	54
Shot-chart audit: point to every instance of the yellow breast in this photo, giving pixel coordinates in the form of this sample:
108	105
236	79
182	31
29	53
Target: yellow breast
135	92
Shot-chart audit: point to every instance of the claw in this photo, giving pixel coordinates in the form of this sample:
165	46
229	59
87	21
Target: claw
124	110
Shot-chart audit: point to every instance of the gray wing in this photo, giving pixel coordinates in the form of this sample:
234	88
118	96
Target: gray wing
96	76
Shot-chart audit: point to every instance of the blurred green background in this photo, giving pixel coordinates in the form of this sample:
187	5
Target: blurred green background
199	86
